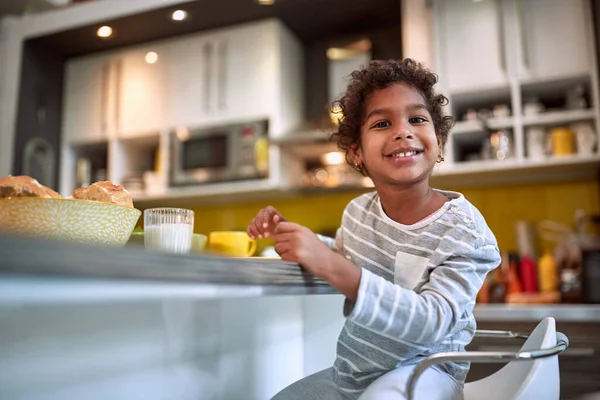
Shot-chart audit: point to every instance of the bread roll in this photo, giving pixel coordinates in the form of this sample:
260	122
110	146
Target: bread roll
105	191
25	186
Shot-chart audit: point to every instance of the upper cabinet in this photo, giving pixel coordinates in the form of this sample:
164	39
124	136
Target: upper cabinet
248	72
188	80
554	38
86	99
140	90
238	73
483	44
469	31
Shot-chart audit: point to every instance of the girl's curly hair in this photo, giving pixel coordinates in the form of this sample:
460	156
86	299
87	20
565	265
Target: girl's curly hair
350	108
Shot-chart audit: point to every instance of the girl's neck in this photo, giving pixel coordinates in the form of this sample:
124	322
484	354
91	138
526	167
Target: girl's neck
409	205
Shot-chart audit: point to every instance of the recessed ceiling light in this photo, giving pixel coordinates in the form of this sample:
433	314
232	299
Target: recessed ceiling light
104	31
266	2
151	57
179	15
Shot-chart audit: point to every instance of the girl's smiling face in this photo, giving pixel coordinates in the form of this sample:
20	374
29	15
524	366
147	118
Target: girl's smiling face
398	144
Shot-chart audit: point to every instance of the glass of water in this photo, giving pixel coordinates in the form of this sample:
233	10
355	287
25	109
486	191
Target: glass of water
168	229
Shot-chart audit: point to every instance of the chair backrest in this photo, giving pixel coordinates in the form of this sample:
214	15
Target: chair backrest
523	380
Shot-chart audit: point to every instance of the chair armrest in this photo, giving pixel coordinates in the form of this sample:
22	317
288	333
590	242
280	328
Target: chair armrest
501	334
562	342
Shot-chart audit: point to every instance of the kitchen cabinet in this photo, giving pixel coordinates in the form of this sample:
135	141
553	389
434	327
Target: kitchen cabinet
554	38
85	107
494	57
250	51
140	91
133	97
187	81
485	43
237	73
114	93
471	44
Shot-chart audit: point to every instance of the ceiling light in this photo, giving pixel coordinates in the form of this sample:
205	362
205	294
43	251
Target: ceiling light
179	15
266	2
151	57
104	31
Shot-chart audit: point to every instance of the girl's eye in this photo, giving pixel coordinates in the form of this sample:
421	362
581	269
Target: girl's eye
382	124
417	120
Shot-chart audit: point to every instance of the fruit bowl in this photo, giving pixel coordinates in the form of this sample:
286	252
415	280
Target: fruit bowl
80	221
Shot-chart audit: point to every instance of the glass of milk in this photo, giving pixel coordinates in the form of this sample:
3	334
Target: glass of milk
168	229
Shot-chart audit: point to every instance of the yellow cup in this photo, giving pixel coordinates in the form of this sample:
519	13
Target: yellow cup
562	141
231	243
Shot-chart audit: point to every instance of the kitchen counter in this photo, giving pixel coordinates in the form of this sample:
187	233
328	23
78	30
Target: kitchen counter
537	312
39	271
43	272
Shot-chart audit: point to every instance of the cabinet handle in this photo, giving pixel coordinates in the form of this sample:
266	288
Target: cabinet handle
104	97
222	79
119	85
501	39
523	31
207	51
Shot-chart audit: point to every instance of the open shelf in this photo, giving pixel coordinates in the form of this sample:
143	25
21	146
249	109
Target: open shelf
511	171
559	117
83	163
475	126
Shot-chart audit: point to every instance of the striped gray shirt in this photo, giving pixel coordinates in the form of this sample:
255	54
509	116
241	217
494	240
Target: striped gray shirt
417	290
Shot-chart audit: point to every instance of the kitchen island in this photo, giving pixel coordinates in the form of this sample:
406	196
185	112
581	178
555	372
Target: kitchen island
91	322
34	270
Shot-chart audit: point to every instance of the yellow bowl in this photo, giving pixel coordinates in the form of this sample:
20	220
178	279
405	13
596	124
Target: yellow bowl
81	221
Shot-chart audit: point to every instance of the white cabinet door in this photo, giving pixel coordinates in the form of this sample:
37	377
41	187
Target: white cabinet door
85	105
141	91
219	76
246	72
188	88
554	38
471	43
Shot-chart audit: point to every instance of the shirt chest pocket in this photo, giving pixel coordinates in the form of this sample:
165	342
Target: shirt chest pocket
409	269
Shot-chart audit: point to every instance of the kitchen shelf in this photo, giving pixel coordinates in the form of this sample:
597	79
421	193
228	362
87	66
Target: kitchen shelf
485	173
463	127
559	117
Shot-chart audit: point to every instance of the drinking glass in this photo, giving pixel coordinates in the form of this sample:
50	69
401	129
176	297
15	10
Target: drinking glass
168	229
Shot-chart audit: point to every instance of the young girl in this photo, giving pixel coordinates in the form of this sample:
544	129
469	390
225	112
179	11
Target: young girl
409	259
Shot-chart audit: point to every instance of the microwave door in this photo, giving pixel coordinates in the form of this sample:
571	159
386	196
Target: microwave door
203	158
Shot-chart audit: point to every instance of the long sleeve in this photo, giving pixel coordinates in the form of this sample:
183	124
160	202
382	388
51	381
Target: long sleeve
435	311
336	244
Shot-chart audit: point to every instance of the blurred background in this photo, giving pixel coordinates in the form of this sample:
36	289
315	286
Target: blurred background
223	107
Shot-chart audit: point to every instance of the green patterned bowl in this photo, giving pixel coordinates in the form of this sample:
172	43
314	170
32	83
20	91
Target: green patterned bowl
80	221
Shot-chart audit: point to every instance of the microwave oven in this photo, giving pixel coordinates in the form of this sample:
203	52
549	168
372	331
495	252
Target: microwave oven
219	154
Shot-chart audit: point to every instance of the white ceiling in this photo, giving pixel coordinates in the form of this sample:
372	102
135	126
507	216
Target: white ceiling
20	7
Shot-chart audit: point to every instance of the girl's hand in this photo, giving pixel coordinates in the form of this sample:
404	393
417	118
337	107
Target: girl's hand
299	244
263	225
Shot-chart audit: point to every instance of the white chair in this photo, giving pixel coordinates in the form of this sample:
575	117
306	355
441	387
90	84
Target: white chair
531	374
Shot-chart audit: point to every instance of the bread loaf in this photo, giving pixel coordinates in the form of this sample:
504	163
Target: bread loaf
105	191
25	186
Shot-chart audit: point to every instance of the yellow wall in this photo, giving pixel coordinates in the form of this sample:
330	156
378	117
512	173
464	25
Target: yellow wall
501	206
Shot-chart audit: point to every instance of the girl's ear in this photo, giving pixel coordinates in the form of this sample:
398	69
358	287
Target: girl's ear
355	153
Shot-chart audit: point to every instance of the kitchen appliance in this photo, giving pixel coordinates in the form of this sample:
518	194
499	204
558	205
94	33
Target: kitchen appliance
219	154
